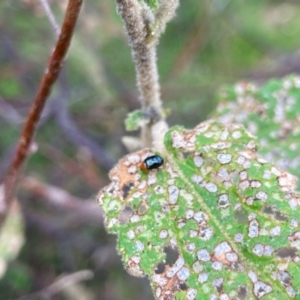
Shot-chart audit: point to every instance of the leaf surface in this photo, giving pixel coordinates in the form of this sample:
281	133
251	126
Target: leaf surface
232	218
270	112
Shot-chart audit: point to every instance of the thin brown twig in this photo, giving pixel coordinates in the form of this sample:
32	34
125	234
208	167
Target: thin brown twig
60	109
53	69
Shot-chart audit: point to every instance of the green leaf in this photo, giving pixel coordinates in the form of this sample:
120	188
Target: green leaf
136	120
270	112
232	217
153	4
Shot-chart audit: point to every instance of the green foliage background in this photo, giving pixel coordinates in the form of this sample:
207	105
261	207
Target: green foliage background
208	44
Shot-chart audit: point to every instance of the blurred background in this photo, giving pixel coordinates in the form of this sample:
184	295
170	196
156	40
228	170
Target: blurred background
54	245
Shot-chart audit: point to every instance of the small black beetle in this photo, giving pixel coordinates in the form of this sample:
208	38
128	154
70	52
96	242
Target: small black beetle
152	162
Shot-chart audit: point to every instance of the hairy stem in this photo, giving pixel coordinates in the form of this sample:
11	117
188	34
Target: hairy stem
138	18
147	78
144	27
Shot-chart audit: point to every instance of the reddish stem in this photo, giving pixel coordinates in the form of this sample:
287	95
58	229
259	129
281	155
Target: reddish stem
53	69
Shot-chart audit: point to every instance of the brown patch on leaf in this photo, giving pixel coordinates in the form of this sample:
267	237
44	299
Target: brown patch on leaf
294	237
124	175
286	252
273	212
133	267
168	286
126	189
242	292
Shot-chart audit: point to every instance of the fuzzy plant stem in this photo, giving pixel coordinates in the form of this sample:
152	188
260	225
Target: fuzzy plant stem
143	30
147	78
137	17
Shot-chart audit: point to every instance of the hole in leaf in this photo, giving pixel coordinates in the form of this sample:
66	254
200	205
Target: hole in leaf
285	278
242	292
268	209
125	214
183	286
126	189
111	189
186	155
222	203
261	111
279	216
171	255
286	252
237	267
160	268
240	216
274	212
218	284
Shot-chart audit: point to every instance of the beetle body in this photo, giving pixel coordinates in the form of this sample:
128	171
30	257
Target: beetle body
152	162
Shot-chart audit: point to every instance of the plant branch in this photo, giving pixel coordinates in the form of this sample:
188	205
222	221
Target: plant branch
60	110
137	17
143	28
164	14
53	69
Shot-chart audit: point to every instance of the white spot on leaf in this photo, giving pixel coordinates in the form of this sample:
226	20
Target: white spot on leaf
198	160
203	255
131	234
173	193
183	273
236	134
139	245
202	277
211	187
163	234
191	294
224	158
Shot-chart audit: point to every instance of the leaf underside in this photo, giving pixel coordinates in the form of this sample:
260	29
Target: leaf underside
231	217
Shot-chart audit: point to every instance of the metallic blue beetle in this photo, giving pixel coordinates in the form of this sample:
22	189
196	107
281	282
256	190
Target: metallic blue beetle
152	162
